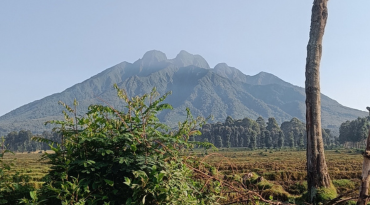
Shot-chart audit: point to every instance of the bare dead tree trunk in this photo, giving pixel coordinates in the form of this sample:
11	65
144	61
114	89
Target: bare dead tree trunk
317	171
363	198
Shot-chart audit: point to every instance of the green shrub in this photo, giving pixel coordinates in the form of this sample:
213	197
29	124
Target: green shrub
123	157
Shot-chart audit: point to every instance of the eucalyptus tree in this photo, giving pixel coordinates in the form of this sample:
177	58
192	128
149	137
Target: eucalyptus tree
274	129
318	178
280	143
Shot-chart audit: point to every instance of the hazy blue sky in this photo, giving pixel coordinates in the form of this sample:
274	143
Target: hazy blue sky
48	46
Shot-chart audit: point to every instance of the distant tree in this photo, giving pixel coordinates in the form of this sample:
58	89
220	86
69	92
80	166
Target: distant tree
280	143
20	141
301	140
21	148
272	125
344	132
236	140
330	140
295	126
12	141
261	122
247	138
260	133
262	139
218	142
354	131
291	140
274	129
250	124
253	138
227	132
268	139
359	129
228	143
229	121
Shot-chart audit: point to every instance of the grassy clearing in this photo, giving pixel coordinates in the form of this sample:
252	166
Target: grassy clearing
287	168
28	164
283	172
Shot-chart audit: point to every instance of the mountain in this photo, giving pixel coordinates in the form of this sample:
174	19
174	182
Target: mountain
222	91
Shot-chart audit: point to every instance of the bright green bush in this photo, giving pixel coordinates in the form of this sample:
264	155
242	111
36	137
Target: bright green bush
122	157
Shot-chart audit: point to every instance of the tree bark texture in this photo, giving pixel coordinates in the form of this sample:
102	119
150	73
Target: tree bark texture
363	198
317	171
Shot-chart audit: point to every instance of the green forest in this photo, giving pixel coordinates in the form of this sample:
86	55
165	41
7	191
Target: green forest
247	133
259	134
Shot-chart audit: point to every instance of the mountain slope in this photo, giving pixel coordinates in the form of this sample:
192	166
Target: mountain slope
221	92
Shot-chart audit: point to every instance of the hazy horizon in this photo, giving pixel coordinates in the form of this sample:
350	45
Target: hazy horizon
50	46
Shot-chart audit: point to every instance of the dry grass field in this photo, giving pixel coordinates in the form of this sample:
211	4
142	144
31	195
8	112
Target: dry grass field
288	167
28	164
285	168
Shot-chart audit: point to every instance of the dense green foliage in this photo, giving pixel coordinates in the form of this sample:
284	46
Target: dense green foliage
259	134
122	157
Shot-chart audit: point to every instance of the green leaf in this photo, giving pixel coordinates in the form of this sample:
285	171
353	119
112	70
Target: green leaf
33	195
129	201
127	181
109	182
109	151
161	175
133	147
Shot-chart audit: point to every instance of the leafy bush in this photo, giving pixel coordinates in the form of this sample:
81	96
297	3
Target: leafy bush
122	157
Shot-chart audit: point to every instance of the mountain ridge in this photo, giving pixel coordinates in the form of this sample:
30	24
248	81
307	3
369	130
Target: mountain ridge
221	91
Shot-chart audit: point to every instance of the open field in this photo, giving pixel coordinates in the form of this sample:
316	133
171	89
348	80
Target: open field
284	167
28	164
288	167
342	164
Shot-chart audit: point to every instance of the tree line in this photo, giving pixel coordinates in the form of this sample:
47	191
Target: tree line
259	134
22	141
354	133
253	134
